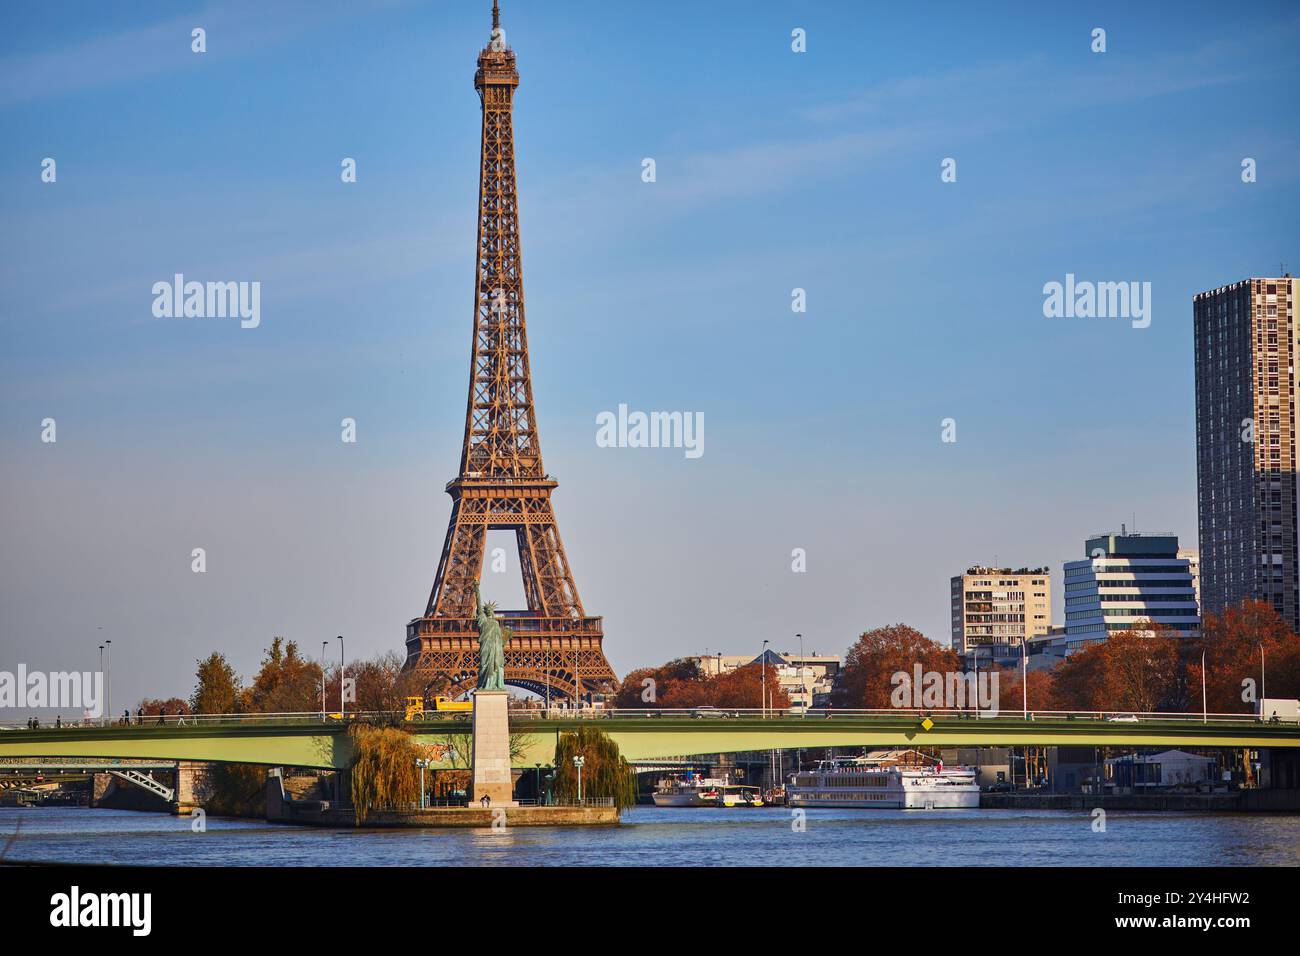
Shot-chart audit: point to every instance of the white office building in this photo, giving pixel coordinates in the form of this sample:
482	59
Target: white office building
1125	580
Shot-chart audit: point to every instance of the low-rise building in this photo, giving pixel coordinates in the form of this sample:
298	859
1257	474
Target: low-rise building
805	678
1170	768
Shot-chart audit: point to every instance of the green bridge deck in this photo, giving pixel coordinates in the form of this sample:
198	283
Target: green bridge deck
311	743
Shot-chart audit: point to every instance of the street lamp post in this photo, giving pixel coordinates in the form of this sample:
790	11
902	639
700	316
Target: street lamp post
108	679
422	762
762	663
538	778
343	711
1262	691
1205	710
805	690
578	761
1024	677
108	704
324	645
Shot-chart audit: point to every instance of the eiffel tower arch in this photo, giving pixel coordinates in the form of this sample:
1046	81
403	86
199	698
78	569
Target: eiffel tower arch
556	646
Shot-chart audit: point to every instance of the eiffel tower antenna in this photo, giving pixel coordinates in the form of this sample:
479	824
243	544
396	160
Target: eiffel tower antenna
555	646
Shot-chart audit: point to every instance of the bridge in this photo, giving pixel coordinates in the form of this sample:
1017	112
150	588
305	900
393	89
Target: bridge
307	740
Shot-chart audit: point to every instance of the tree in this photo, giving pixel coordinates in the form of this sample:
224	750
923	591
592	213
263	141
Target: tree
1142	670
1040	690
381	684
681	677
153	707
217	689
605	773
1232	642
1077	682
871	663
384	775
742	688
286	683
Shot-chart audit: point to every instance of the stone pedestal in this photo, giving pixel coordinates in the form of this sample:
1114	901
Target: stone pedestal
491	758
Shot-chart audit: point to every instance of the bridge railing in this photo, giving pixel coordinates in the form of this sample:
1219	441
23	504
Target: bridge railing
430	721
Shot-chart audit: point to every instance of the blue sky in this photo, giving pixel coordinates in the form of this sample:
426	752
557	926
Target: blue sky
775	170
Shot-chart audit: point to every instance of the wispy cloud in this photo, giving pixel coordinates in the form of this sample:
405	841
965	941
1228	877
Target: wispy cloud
235	29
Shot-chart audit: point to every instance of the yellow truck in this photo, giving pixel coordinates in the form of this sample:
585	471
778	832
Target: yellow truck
415	708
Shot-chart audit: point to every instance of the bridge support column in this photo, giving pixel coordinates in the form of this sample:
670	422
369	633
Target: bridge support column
193	789
99	785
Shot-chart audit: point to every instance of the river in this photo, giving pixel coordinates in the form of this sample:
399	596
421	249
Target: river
652	836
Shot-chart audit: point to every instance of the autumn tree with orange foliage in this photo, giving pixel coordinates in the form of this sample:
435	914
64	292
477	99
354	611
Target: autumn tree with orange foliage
635	692
1040	690
154	707
1143	670
680	684
1137	670
286	682
869	666
1232	642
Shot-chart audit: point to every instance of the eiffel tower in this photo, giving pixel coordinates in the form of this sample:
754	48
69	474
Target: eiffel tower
555	648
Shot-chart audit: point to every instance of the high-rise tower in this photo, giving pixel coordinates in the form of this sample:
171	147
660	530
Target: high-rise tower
1247	347
502	484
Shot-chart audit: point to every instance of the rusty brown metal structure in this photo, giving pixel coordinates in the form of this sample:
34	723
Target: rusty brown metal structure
502	484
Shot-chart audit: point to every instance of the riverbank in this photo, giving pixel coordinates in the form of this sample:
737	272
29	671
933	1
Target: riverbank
281	807
1240	801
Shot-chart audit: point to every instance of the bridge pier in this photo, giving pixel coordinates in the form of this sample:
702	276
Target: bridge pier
193	787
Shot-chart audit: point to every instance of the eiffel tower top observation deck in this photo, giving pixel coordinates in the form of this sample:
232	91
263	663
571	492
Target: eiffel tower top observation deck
502	484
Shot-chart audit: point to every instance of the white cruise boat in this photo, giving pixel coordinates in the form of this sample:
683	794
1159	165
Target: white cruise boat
893	780
688	791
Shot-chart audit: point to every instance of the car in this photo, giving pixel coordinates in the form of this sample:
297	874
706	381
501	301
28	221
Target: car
1122	719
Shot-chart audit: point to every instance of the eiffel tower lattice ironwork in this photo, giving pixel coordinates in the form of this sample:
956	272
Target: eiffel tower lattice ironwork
556	646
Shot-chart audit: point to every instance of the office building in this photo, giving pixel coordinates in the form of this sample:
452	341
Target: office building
1127	579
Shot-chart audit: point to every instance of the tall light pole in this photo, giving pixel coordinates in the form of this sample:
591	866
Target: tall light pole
108	712
1024	678
1024	702
762	663
1262	692
108	678
343	711
1205	710
803	685
324	646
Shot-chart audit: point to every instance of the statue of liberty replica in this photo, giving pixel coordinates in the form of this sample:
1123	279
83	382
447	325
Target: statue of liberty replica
492	639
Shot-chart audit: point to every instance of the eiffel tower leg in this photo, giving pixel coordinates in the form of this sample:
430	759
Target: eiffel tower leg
461	564
553	579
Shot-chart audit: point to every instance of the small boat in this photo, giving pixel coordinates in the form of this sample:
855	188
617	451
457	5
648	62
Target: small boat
687	791
733	795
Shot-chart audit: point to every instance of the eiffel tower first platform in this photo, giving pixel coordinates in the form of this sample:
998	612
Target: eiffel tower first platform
502	484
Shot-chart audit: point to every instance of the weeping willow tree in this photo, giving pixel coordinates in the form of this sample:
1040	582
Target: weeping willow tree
384	774
605	773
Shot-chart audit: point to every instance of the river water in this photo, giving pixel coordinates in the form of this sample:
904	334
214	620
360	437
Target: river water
653	836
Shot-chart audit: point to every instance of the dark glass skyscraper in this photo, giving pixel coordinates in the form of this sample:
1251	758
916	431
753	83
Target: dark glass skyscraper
1246	347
